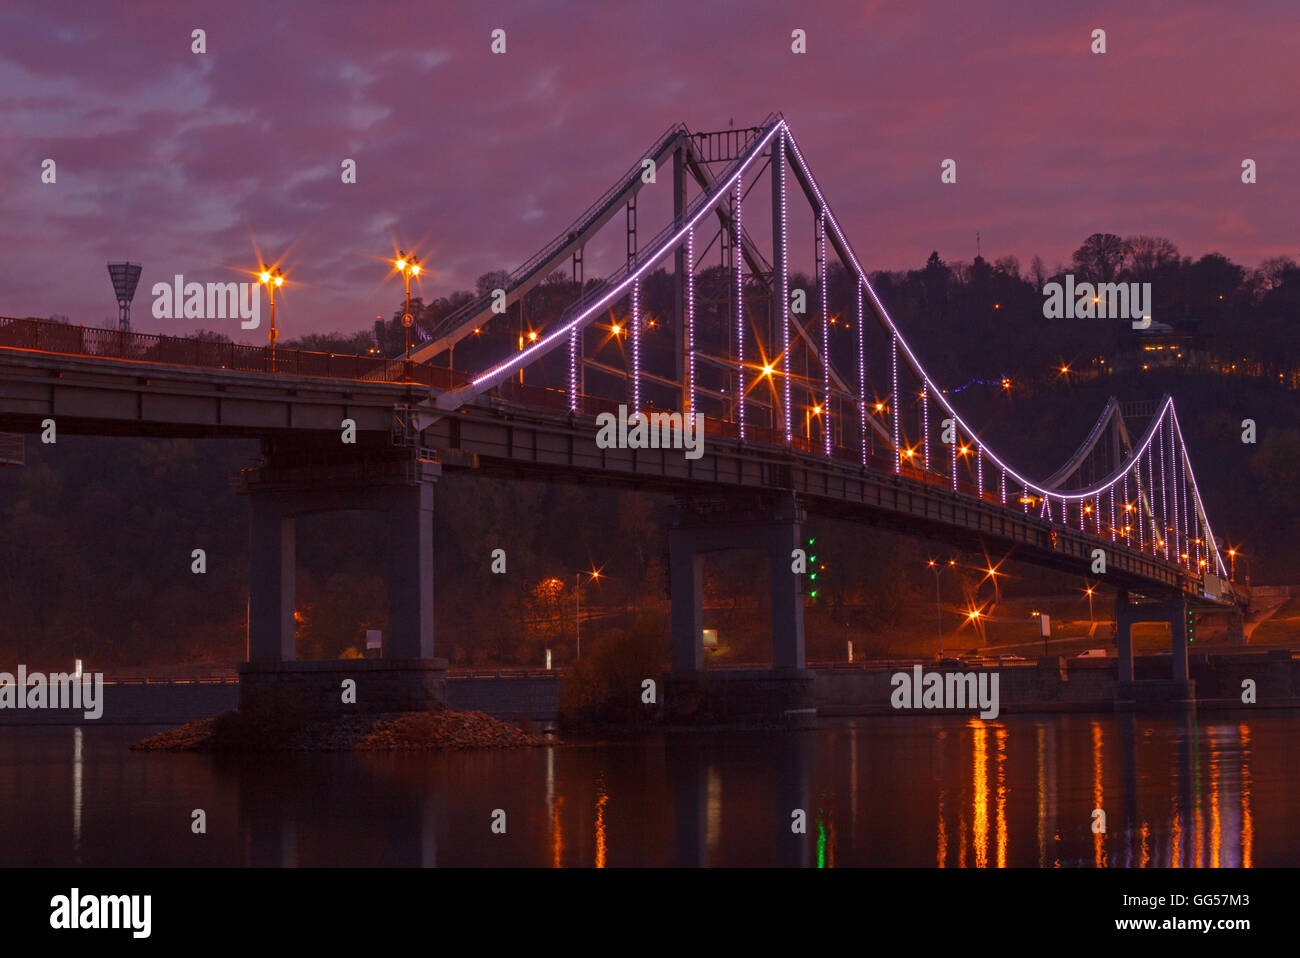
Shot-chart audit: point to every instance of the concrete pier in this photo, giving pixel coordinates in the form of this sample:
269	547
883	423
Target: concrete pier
394	480
782	694
1147	694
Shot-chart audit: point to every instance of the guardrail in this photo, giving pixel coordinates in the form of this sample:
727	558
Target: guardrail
453	673
170	680
44	336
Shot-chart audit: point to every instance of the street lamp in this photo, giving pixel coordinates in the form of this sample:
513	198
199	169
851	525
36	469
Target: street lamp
938	600
408	267
807	419
992	573
271	279
1090	590
577	605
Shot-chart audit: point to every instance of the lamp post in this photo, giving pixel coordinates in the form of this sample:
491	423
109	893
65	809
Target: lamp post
408	267
530	338
271	279
807	420
938	600
577	605
1090	590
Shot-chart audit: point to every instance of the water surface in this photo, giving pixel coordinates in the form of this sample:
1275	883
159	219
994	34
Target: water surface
952	792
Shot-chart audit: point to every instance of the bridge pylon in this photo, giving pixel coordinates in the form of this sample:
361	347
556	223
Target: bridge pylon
783	693
1176	692
297	480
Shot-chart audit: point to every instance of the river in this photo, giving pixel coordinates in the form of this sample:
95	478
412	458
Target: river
1213	790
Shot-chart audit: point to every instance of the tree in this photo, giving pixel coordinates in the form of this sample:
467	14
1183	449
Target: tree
1144	256
1038	272
1100	256
1271	274
1008	266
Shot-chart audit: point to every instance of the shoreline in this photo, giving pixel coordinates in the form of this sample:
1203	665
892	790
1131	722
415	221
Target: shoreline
434	730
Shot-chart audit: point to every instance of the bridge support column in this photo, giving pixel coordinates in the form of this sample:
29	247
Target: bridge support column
394	481
272	559
784	535
1178	638
410	572
1123	637
1176	692
783	693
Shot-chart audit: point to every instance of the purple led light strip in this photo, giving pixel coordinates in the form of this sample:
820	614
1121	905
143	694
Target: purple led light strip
826	336
911	357
738	262
862	378
690	321
506	367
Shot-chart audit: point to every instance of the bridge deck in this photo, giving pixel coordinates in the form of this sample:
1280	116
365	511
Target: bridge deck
75	378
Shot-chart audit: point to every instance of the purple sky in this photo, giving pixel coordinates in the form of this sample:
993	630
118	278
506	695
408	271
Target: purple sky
183	162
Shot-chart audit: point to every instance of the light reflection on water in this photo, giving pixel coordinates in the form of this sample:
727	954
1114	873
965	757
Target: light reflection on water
1206	791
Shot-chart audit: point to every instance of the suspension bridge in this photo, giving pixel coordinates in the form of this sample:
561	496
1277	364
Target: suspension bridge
811	398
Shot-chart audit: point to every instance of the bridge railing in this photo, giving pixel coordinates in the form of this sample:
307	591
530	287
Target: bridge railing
45	336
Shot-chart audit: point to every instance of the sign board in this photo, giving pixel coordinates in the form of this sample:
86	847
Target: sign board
408	320
710	638
1045	621
1213	586
374	639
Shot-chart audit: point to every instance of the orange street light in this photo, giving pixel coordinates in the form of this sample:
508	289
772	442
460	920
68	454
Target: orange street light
408	267
272	279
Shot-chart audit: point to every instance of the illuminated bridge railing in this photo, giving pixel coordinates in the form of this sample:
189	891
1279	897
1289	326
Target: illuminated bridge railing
557	400
45	336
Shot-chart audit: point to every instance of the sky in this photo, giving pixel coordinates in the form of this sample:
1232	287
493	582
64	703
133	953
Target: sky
192	163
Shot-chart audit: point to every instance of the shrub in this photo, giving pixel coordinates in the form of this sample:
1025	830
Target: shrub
604	687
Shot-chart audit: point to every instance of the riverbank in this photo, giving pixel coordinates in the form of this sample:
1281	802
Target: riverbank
442	729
